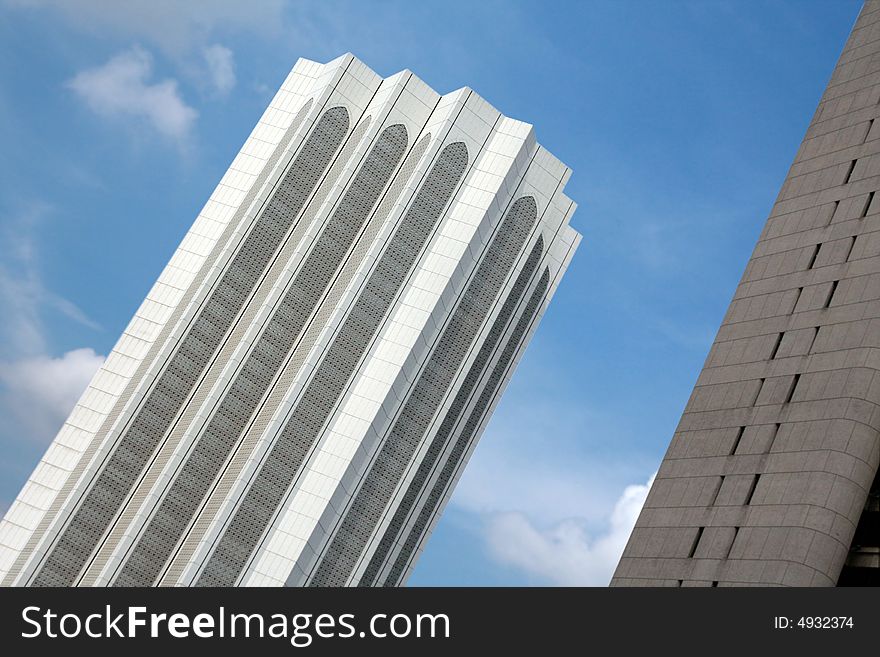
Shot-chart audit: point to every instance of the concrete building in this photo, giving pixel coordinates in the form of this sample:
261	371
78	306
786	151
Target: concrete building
771	477
297	396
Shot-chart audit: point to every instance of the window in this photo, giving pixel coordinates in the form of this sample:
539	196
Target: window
732	541
717	490
849	172
739	435
831	292
797	298
833	211
813	339
752	487
696	542
867	207
813	256
794	384
758	394
773	439
852	243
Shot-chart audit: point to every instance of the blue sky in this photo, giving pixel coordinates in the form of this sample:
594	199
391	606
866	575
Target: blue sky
679	119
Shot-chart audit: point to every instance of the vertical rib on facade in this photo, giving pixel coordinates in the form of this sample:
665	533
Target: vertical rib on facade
147	428
425	397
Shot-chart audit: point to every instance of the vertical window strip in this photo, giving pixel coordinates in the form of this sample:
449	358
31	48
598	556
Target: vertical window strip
450	421
243	396
469	433
269	486
150	423
431	387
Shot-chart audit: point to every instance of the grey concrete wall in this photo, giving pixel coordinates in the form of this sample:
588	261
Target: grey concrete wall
769	469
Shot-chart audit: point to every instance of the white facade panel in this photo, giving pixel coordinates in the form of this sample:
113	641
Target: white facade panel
400	296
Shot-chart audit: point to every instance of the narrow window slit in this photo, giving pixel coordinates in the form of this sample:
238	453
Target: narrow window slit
813	339
852	243
739	435
717	490
752	488
792	388
849	173
833	212
696	542
867	207
732	541
776	428
831	294
758	394
868	131
813	257
797	298
776	346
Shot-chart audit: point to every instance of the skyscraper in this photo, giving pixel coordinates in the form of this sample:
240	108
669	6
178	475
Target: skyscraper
298	394
771	478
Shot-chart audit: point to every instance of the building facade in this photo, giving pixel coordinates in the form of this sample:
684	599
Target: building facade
296	398
771	477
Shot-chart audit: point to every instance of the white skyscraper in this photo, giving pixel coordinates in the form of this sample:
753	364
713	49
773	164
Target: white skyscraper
299	392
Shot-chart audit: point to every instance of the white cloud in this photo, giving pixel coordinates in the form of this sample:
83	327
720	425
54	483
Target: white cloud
221	68
37	391
40	391
23	294
545	482
120	88
546	453
568	553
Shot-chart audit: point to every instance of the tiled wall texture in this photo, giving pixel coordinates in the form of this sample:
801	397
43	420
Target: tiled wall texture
770	479
296	398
